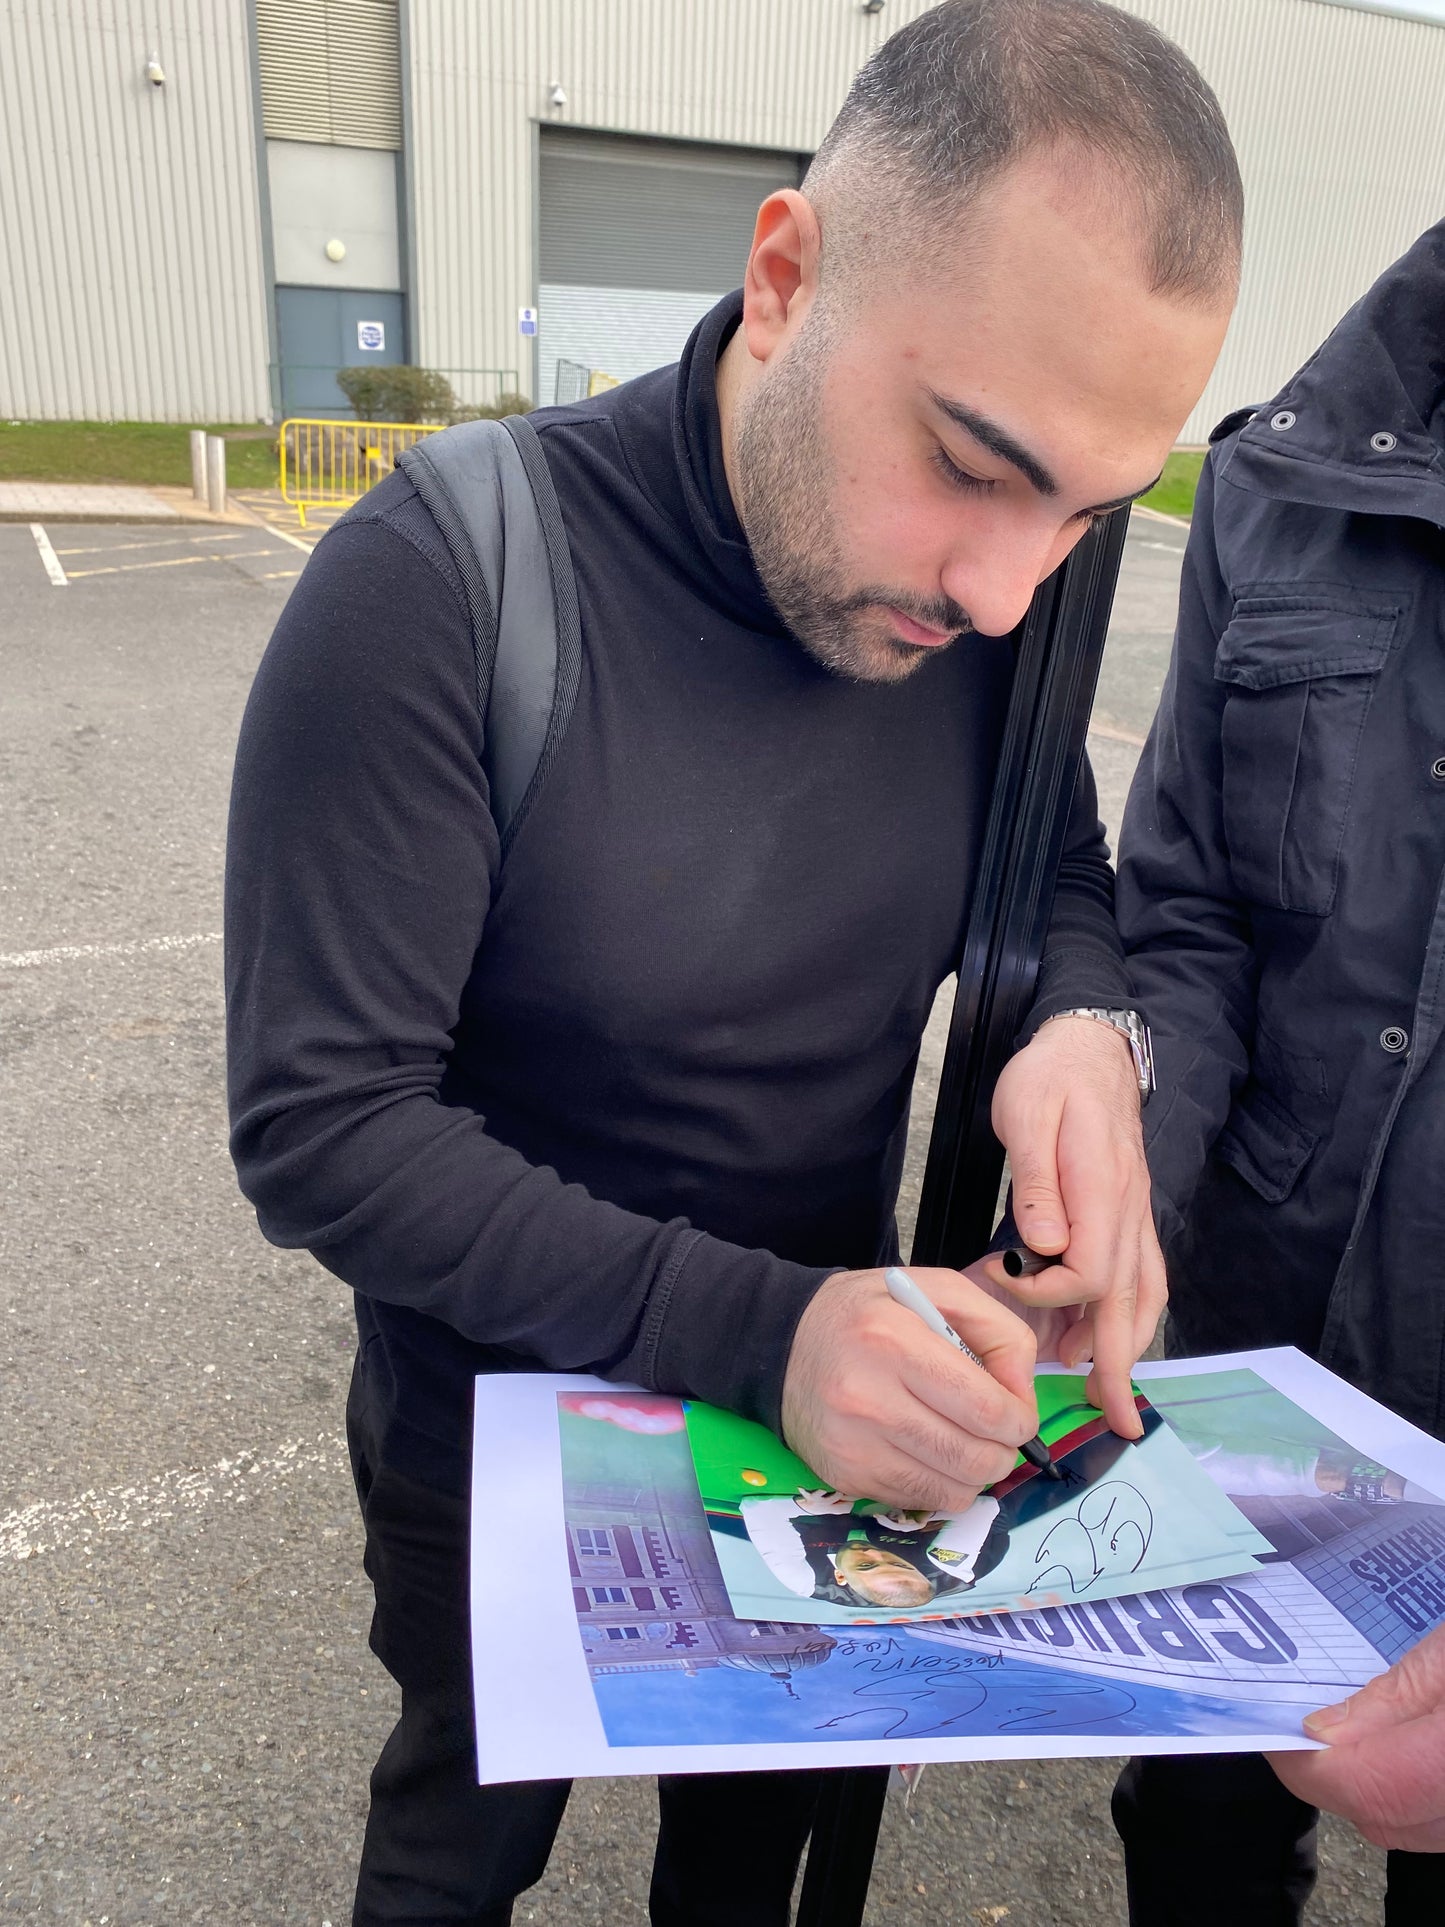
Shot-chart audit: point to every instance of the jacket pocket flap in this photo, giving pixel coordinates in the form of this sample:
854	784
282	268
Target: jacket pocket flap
1264	1145
1279	636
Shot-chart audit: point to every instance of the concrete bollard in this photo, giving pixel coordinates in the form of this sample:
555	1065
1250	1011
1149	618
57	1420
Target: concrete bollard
198	464
215	474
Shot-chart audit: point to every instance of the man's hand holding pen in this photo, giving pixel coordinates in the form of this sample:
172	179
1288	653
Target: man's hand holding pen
877	1404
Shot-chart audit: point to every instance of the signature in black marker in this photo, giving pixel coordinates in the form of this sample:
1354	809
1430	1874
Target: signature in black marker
1106	1534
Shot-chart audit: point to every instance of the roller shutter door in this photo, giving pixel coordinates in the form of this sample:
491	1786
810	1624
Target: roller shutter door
638	239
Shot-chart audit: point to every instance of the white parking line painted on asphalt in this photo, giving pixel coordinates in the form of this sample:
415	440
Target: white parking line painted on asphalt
79	952
52	1525
51	560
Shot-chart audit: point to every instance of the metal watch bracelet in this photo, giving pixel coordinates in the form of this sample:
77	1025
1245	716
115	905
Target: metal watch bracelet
1132	1028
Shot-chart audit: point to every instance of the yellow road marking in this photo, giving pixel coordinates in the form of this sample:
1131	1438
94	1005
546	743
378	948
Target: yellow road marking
170	562
263	510
165	542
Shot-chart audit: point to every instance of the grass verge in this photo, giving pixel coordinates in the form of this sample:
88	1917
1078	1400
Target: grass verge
143	453
159	452
1173	494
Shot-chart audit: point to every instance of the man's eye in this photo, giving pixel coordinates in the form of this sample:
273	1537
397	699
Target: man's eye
957	477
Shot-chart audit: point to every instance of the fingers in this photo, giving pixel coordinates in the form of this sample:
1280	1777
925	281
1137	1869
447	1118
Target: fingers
882	1442
1116	1334
1153	1288
1005	1344
1391	1784
1413	1688
910	1485
879	1405
1384	1765
1038	1199
1075	1344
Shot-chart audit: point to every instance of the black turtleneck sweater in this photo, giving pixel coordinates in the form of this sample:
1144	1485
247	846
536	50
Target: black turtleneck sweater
624	1104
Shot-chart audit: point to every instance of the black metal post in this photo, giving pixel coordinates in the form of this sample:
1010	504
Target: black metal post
1059	646
1059	649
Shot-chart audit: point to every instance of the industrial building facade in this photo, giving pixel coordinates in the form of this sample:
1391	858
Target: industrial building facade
207	207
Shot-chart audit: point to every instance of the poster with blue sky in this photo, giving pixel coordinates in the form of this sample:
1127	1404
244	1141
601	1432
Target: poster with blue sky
622	1654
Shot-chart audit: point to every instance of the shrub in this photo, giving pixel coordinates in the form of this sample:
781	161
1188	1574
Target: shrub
509	402
398	393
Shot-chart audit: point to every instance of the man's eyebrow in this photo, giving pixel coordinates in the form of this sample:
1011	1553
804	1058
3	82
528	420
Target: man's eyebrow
998	441
1124	501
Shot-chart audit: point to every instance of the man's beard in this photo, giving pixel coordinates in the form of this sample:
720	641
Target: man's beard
786	486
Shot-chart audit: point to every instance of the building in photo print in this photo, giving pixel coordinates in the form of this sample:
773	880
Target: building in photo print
207	207
645	1581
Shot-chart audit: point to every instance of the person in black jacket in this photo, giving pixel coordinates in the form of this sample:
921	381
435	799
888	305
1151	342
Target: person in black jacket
635	1100
1282	898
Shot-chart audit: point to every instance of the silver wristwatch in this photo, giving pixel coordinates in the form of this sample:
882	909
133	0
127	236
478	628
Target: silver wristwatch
1131	1026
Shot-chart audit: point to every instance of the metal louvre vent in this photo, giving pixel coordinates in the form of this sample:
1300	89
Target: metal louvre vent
330	71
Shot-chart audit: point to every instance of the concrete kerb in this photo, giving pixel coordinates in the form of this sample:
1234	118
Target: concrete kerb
98	502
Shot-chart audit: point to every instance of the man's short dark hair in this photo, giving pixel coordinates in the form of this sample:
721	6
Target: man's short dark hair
951	100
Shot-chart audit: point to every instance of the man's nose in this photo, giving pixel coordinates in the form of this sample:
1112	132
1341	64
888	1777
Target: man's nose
996	583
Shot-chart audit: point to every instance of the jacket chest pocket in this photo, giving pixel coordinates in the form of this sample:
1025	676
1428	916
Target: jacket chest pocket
1301	669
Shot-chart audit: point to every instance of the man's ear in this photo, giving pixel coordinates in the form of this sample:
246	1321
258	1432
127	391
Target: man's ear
782	272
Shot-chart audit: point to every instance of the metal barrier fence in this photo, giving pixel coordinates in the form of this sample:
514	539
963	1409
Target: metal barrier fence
575	381
569	384
331	464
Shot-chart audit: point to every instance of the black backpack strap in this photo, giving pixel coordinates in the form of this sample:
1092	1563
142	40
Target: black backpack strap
489	491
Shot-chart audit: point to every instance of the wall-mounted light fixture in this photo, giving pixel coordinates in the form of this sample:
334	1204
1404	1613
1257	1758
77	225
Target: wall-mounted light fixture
872	6
557	95
336	250
155	72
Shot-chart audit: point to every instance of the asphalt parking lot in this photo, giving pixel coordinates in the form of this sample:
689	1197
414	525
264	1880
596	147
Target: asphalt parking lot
190	1709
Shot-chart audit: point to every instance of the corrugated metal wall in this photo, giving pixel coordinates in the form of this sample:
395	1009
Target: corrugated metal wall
1339	117
130	231
764	73
131	280
1339	120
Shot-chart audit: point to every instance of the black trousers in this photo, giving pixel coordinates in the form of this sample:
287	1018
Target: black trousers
1217	1841
441	1851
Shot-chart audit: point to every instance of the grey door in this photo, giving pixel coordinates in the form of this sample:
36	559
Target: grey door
323	329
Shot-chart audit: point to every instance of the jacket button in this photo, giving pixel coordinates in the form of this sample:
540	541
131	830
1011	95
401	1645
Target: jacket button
1393	1039
1383	442
1284	419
